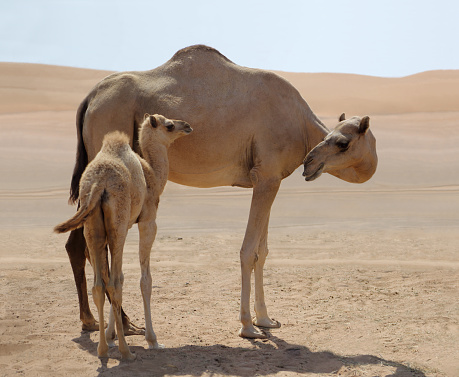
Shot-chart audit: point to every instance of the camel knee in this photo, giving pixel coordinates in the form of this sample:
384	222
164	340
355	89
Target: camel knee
98	293
145	283
263	250
115	293
261	256
248	260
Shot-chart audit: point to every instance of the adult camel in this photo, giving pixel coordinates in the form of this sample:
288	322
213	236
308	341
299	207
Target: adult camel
252	129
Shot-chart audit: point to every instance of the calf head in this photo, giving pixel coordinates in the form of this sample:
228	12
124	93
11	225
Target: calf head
164	130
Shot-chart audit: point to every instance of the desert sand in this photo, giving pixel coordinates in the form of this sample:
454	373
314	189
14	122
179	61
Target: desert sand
363	278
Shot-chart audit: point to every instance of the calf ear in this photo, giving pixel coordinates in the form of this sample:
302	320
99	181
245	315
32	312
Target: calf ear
342	117
364	124
153	121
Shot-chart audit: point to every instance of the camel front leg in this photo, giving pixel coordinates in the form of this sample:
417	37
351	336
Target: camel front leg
264	193
129	327
110	332
261	313
147	235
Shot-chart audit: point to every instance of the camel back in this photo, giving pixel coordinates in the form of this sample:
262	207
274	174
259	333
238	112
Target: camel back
236	112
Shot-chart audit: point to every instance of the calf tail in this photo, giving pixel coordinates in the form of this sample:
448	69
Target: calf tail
87	205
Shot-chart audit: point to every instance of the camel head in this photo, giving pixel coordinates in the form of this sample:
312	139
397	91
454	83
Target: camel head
164	130
348	152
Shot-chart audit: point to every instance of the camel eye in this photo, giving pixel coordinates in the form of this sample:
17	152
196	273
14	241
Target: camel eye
343	145
170	127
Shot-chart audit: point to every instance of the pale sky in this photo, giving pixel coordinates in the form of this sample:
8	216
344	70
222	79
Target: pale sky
389	38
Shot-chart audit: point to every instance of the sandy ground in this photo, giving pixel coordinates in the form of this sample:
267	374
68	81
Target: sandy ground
363	278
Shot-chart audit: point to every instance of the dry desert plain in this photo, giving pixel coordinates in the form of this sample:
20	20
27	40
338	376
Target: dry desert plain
363	278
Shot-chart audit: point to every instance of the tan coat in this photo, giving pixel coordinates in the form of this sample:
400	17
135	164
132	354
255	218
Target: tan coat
252	129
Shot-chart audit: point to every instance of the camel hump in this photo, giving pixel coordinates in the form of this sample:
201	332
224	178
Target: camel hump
195	50
116	138
115	146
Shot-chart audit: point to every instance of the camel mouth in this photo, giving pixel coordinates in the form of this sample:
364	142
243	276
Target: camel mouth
314	175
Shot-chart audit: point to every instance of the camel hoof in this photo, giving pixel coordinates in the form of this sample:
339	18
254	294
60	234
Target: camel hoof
132	329
156	346
267	323
93	326
102	351
252	333
129	357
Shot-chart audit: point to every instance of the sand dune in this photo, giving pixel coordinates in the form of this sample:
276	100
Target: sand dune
362	277
331	94
34	87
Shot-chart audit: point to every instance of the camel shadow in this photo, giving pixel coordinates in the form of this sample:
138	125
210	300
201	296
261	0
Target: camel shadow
259	358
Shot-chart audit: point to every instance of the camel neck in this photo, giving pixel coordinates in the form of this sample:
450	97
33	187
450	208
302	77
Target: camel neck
314	131
156	156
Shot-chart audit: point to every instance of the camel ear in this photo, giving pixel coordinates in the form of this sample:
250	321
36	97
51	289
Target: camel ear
153	121
342	117
146	116
364	124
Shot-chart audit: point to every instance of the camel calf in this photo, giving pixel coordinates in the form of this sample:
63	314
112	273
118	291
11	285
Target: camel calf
117	189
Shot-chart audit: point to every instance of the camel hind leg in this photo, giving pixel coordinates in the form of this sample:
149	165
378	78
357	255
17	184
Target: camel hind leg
75	246
115	290
116	225
98	293
94	232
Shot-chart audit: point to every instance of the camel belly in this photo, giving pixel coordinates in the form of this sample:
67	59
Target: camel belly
205	167
226	176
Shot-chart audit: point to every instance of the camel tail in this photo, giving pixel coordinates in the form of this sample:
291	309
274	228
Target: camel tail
81	160
87	206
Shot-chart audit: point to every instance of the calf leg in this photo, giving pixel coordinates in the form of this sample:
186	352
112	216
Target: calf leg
116	244
110	333
95	236
98	294
147	233
75	246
